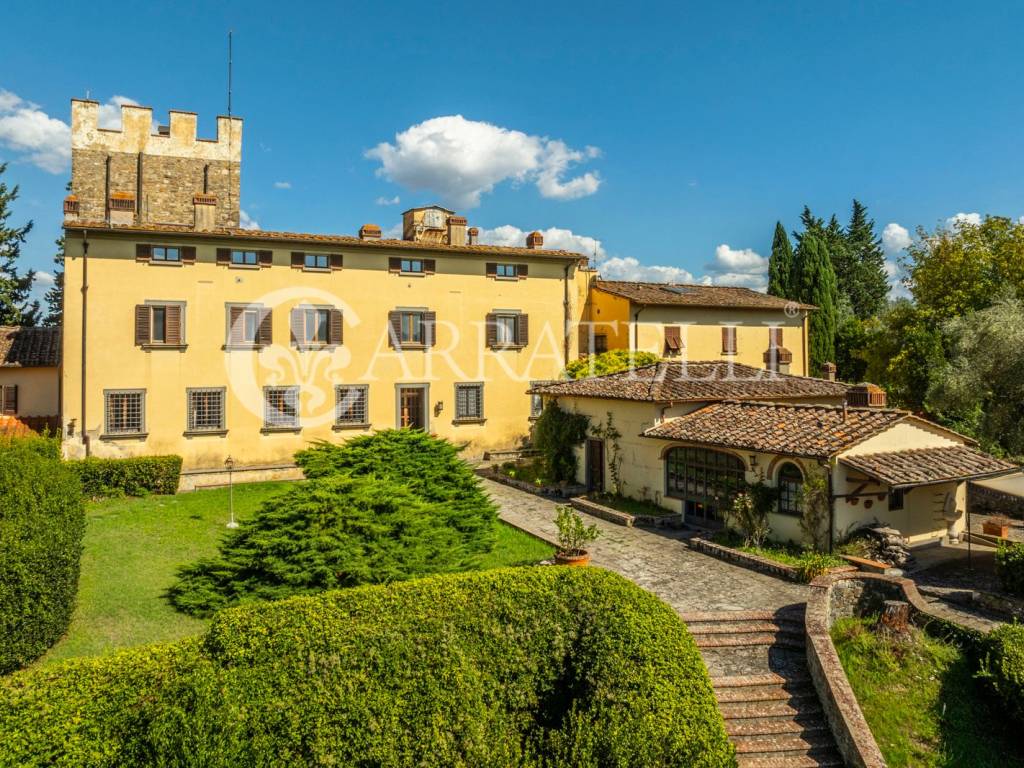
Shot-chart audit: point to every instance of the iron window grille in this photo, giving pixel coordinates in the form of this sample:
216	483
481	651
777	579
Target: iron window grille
351	406
281	407
469	402
125	412
206	409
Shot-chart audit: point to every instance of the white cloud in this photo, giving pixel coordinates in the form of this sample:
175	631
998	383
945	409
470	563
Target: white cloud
27	130
389	200
394	232
282	185
245	222
895	238
110	112
554	238
974	219
43	280
743	267
630	268
461	159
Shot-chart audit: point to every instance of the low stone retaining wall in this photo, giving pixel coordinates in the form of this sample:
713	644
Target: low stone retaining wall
197	479
617	516
841	595
549	491
754	562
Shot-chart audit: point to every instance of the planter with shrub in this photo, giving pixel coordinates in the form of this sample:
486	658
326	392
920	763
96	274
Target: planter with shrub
573	537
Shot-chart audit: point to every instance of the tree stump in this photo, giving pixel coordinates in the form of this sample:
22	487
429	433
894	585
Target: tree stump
895	617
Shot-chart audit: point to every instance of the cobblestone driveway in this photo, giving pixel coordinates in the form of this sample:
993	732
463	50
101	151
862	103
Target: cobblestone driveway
657	560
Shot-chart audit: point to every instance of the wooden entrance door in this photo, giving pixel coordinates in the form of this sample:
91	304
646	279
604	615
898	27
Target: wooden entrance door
411	402
595	465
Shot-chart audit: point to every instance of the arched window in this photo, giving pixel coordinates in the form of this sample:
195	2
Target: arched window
705	480
790	481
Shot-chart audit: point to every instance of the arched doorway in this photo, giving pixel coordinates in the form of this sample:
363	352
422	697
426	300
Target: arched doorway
790	481
704	479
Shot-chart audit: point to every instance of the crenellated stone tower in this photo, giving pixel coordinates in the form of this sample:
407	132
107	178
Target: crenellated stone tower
137	177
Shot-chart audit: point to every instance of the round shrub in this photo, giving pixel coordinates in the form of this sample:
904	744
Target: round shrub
42	521
336	531
550	667
1003	666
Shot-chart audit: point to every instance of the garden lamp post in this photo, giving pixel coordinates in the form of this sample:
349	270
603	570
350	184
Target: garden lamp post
230	464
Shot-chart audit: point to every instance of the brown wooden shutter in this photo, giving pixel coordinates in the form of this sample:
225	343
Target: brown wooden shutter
774	338
492	329
265	336
236	330
523	329
10	399
585	339
728	340
336	328
143	252
673	340
394	264
337	260
296	326
298	259
492	269
173	323
523	271
142	324
429	266
223	255
265	258
188	254
395	329
429	329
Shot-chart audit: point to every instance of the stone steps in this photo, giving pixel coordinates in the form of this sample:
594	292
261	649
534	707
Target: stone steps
772	713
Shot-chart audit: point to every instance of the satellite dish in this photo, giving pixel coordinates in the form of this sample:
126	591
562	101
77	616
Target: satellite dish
949	510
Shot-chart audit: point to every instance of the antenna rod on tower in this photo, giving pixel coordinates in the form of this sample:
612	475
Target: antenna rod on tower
231	128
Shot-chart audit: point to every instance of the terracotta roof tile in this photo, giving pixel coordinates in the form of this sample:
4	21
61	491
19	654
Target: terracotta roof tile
927	465
816	431
345	240
680	381
680	294
24	347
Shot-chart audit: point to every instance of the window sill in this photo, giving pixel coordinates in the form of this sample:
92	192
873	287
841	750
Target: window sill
411	274
174	347
508	279
155	263
314	269
510	347
280	430
205	433
315	347
468	421
126	436
532	418
729	354
245	266
243	347
343	427
411	347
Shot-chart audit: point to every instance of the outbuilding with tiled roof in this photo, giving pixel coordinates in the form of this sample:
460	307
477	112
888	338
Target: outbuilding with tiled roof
30	359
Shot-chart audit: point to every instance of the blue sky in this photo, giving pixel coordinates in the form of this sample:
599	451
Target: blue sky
676	134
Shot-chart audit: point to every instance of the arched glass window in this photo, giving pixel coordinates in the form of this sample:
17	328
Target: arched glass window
705	480
790	481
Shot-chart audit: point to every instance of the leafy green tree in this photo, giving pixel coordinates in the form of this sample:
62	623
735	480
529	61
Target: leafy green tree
861	273
902	346
981	389
55	293
815	283
953	271
556	434
780	264
16	304
612	361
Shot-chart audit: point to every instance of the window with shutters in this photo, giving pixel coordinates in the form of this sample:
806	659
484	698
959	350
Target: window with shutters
507	270
317	261
775	338
411	328
175	255
469	402
507	329
124	413
248	326
280	409
316	327
9	399
245	258
166	253
160	324
673	340
600	343
351	407
728	340
205	410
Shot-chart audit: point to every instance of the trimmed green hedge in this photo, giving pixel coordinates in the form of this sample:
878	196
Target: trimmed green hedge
549	666
1010	567
134	476
42	521
1003	666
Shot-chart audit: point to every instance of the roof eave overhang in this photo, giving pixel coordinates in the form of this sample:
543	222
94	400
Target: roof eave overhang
755	449
921	483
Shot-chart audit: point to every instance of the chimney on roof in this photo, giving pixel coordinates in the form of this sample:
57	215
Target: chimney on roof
828	371
369	232
457	230
472	235
865	395
535	240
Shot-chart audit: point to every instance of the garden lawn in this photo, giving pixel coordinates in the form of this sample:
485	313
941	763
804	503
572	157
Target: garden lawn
134	546
923	703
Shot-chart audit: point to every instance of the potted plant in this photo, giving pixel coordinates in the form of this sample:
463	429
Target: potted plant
573	537
997	525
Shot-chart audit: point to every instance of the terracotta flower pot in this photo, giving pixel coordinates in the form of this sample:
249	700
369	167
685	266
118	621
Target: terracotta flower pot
580	557
994	529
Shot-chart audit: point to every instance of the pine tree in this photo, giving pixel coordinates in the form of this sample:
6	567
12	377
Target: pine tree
16	305
812	225
780	265
815	283
867	283
55	294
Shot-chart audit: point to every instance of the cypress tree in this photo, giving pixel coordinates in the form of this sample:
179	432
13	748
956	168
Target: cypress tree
815	283
780	264
55	293
867	283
